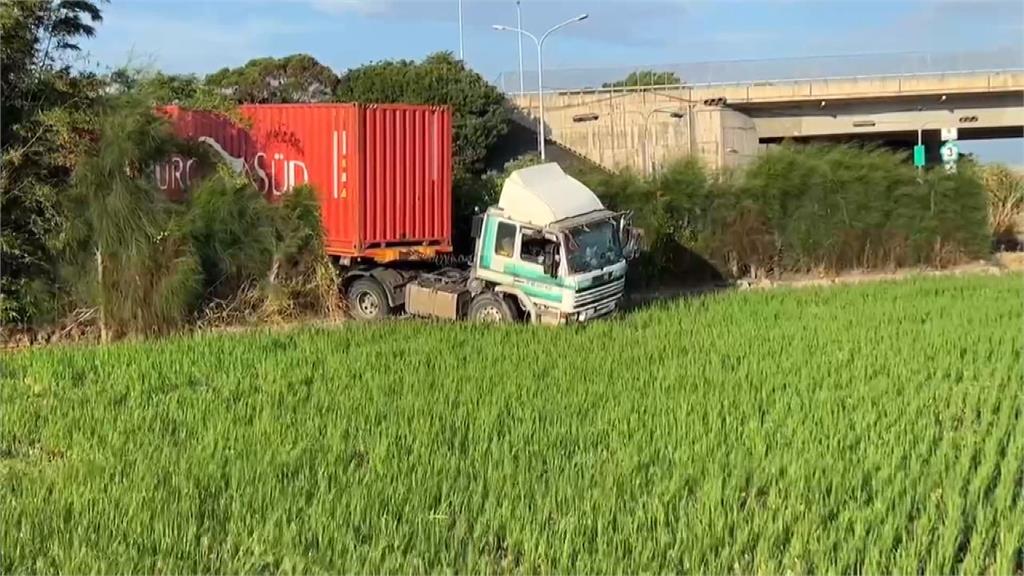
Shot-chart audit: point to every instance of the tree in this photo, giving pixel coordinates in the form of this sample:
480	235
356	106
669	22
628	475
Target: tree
292	79
185	90
480	117
129	248
1005	192
45	120
645	78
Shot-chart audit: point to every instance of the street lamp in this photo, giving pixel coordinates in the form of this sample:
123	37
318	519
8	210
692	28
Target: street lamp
462	50
540	69
519	24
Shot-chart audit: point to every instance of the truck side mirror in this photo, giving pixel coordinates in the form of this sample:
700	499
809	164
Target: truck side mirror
625	222
632	247
551	259
629	237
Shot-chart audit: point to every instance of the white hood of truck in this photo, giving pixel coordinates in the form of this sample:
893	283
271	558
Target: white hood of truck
543	194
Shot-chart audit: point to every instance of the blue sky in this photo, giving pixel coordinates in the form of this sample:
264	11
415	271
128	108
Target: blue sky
202	36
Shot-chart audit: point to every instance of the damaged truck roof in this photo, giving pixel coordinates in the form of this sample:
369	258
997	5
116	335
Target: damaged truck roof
542	195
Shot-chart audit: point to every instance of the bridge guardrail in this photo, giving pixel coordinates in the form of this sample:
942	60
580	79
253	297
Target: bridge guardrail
768	70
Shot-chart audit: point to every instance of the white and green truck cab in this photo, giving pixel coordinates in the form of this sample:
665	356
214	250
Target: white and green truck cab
553	248
548	253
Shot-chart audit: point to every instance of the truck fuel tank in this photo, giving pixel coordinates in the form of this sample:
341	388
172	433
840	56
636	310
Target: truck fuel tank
438	296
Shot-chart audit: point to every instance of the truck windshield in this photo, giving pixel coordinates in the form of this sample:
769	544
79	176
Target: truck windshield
592	246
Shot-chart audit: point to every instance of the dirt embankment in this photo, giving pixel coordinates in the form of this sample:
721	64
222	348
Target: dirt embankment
1002	263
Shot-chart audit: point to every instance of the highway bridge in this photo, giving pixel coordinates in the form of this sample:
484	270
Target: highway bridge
729	122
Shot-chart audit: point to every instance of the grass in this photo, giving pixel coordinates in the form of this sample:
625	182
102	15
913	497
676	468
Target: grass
868	429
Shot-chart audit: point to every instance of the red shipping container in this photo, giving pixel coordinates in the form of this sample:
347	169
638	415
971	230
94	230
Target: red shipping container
383	173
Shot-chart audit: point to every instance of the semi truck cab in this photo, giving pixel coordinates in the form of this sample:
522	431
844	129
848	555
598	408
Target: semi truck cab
549	252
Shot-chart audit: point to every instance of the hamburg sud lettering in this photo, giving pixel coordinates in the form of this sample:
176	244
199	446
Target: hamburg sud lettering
273	173
274	170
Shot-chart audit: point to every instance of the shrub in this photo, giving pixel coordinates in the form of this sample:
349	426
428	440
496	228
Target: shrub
232	228
838	207
1004	189
302	279
259	260
128	248
799	208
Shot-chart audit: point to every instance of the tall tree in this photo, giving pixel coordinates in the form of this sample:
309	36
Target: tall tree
130	255
158	88
295	78
44	121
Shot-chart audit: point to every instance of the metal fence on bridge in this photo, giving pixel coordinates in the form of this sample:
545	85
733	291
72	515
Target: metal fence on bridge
767	70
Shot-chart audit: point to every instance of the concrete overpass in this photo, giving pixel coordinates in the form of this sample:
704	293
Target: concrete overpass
728	124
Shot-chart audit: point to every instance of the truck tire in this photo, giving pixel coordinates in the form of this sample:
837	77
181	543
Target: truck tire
490	307
367	300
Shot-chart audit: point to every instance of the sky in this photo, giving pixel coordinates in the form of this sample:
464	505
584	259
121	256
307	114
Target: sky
193	36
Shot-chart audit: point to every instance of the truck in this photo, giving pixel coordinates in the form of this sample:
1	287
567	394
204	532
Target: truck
548	252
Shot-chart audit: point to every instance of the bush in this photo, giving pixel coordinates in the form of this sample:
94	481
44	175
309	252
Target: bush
842	207
798	209
259	260
1004	189
302	279
148	265
232	227
128	248
674	212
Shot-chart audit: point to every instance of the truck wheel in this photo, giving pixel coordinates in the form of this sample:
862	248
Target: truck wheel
367	300
490	307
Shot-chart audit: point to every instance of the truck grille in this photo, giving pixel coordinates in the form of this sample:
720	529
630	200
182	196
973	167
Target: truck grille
599	294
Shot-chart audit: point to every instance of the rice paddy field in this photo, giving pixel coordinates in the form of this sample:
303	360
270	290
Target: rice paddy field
874	428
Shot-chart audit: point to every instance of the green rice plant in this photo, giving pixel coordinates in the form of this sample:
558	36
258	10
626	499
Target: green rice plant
863	429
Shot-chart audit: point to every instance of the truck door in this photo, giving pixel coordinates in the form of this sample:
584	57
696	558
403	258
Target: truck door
533	248
498	245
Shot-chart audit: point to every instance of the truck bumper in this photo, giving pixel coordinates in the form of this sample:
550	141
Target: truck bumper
583	315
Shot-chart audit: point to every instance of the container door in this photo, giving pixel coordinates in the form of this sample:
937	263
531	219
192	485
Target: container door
408	176
339	199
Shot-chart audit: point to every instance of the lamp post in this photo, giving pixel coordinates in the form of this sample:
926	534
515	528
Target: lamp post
540	69
462	49
519	36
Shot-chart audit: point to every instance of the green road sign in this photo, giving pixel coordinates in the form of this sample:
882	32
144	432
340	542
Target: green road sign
919	155
950	152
